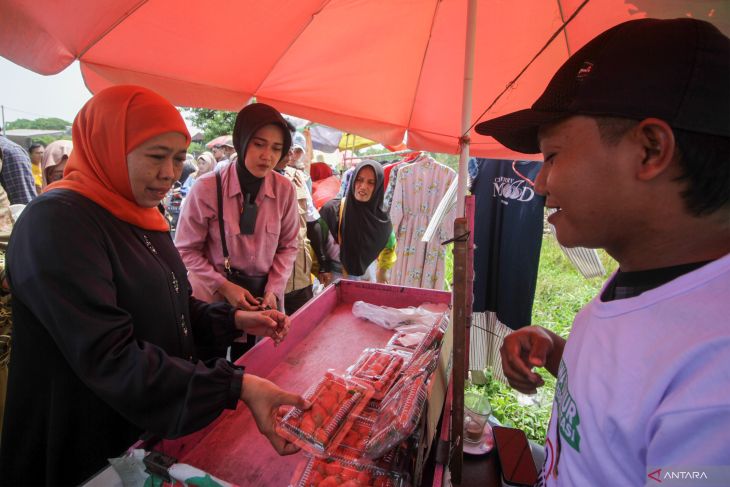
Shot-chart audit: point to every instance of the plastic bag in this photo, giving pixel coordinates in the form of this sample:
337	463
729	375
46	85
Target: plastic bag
336	401
391	318
408	337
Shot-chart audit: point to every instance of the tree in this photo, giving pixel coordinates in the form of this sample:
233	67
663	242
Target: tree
196	148
47	139
38	124
213	122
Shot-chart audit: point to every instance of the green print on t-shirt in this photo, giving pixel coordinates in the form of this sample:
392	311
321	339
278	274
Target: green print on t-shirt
568	417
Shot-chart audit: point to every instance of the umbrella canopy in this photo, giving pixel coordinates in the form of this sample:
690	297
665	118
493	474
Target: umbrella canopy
328	139
378	69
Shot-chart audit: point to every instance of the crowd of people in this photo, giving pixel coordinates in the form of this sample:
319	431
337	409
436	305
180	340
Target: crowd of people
119	329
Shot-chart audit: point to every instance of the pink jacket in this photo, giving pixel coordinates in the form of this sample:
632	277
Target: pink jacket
271	250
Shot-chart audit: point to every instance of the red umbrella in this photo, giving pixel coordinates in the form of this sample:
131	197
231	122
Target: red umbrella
374	68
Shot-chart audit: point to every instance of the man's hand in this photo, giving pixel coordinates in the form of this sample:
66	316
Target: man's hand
237	296
271	323
529	347
263	399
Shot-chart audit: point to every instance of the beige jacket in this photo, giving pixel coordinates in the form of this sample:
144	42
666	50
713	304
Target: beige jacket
301	276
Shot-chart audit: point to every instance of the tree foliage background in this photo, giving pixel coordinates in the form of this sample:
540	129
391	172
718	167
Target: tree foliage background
38	124
42	124
213	123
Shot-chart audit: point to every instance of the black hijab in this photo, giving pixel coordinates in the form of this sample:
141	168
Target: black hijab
365	227
248	121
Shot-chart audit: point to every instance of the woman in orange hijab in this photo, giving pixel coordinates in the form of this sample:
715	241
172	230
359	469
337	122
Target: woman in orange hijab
107	339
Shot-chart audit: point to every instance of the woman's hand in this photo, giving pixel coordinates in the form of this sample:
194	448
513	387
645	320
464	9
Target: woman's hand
263	398
238	296
269	301
271	323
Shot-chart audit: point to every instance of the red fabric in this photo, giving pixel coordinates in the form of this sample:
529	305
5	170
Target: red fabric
324	190
108	127
319	170
412	156
387	170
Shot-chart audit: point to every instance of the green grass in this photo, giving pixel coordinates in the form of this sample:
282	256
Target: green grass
561	292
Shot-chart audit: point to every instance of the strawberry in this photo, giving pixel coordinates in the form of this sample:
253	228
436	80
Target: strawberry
321	436
308	424
330	482
332	468
318	414
364	478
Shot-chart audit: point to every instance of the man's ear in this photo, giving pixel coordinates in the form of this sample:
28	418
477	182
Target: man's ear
657	145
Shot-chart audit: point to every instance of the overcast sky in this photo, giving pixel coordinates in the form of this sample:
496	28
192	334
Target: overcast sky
25	94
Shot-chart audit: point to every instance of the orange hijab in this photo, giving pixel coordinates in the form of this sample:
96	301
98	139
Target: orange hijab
111	124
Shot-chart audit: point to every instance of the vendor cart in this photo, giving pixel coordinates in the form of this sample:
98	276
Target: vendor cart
324	335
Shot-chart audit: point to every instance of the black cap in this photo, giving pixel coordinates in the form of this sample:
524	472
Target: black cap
676	70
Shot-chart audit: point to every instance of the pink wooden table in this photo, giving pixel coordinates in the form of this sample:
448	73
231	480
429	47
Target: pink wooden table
324	335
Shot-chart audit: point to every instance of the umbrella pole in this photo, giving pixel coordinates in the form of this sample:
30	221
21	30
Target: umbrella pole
471	30
462	288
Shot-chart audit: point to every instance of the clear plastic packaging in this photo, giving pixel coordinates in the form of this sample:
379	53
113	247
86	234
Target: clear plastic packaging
336	401
398	417
379	367
371	411
426	363
352	445
327	472
393	317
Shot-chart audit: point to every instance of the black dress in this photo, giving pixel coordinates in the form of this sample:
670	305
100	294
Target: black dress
105	343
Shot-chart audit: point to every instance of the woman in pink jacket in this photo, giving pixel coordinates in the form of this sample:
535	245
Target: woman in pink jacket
250	265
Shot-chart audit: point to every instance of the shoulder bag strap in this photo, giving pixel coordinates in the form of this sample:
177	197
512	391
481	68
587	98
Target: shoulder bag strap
219	194
339	221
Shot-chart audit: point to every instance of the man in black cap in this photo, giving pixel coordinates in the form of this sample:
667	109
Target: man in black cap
635	133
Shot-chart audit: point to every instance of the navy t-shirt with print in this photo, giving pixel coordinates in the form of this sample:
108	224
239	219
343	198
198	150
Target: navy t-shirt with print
508	226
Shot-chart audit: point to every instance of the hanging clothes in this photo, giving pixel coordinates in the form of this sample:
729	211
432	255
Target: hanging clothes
508	235
419	188
390	188
386	171
391	176
345	182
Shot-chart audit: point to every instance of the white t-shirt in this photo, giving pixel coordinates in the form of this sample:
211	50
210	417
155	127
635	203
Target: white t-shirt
644	383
